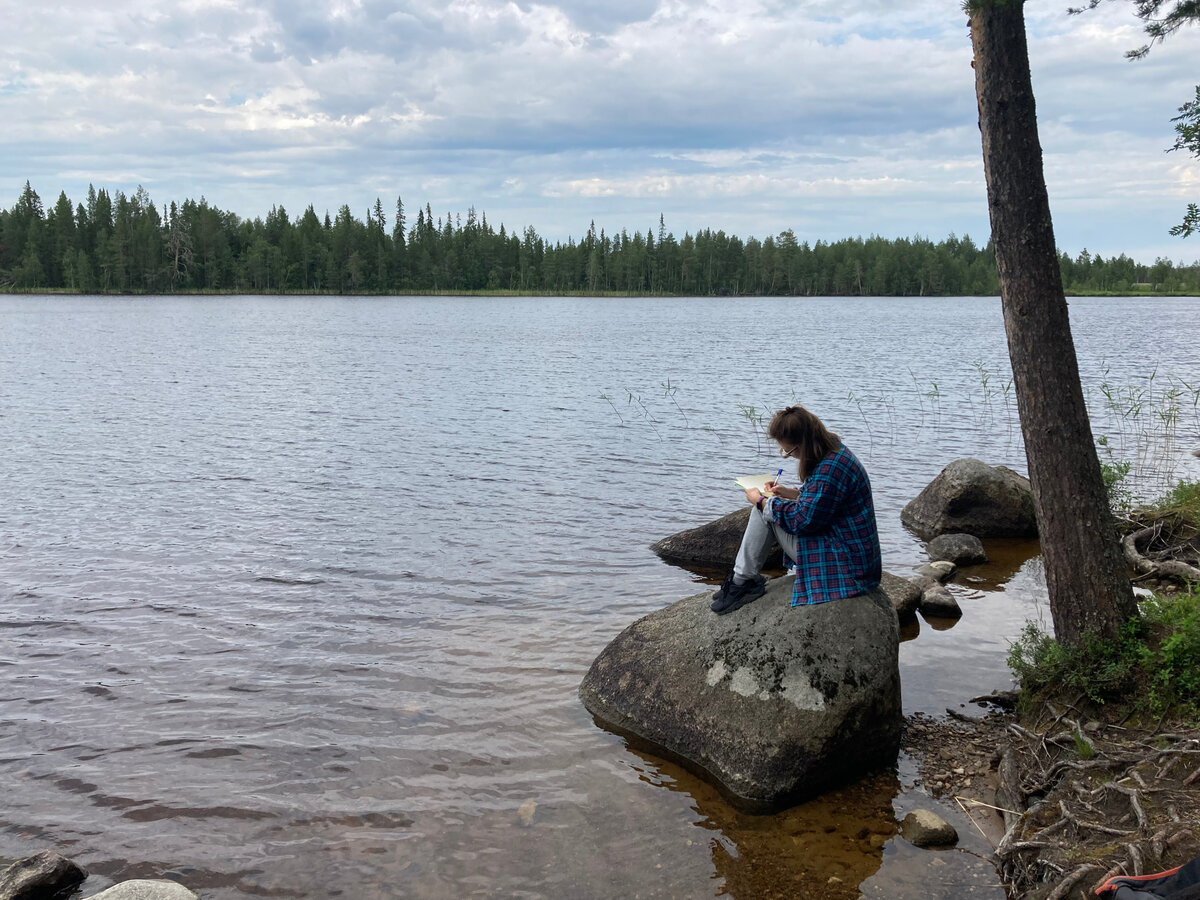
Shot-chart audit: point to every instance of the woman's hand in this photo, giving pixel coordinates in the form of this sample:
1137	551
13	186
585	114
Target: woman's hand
784	493
754	495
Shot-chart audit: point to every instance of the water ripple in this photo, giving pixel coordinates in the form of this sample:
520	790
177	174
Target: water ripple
298	593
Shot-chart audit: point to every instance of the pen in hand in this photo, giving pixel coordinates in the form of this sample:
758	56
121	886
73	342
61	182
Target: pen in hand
775	480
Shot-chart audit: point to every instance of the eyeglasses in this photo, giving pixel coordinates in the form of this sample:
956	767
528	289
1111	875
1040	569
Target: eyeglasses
792	452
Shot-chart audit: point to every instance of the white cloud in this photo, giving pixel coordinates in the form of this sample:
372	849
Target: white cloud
752	116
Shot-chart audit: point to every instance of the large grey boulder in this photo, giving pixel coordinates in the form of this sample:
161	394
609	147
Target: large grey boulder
971	497
774	704
43	875
146	889
713	545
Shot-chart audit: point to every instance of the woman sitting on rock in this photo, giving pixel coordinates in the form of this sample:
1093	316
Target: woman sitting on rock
826	527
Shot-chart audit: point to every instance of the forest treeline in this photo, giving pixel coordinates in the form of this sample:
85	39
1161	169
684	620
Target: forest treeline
118	243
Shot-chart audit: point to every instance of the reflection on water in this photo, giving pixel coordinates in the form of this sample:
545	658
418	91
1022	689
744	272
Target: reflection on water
822	849
843	845
1007	558
910	629
296	593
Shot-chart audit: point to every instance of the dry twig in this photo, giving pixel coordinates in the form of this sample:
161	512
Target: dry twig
1134	802
1064	886
1135	858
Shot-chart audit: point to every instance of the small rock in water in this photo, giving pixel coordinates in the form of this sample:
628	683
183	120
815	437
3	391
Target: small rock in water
526	812
940	603
960	549
926	829
43	874
942	570
146	889
1196	452
903	593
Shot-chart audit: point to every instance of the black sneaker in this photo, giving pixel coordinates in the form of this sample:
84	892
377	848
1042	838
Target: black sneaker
732	596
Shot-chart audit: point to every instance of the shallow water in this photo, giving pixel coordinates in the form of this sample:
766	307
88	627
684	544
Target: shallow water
297	592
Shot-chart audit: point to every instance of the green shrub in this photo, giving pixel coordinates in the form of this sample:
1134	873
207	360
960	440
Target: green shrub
1154	665
1183	499
1101	670
1173	665
1115	472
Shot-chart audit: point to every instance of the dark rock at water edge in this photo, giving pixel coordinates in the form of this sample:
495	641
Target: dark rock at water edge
960	549
925	583
49	876
39	877
774	704
903	594
938	603
971	497
713	545
936	600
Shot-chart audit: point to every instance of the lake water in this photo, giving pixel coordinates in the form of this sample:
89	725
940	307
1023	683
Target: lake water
296	593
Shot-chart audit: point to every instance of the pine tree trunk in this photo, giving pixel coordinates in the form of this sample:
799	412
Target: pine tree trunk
1086	577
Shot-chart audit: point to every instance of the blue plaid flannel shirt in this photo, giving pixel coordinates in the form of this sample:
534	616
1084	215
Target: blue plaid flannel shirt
834	523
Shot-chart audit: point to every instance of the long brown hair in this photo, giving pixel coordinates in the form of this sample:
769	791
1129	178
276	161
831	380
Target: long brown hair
799	430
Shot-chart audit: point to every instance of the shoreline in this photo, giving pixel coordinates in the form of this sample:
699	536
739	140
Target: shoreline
1062	818
64	292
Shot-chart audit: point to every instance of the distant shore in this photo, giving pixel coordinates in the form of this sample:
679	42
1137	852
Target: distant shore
63	292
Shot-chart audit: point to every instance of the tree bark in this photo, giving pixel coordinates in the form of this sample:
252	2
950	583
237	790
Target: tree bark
1088	584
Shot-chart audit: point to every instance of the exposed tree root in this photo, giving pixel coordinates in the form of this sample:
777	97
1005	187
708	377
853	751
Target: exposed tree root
1166	562
1069	823
1116	812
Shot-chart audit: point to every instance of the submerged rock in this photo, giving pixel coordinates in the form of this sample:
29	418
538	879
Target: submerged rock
774	704
526	812
43	875
971	497
926	829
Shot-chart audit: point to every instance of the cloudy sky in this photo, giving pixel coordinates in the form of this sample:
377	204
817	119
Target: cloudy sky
752	116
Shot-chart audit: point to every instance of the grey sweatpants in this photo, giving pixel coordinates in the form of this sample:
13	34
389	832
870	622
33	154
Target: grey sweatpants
761	533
